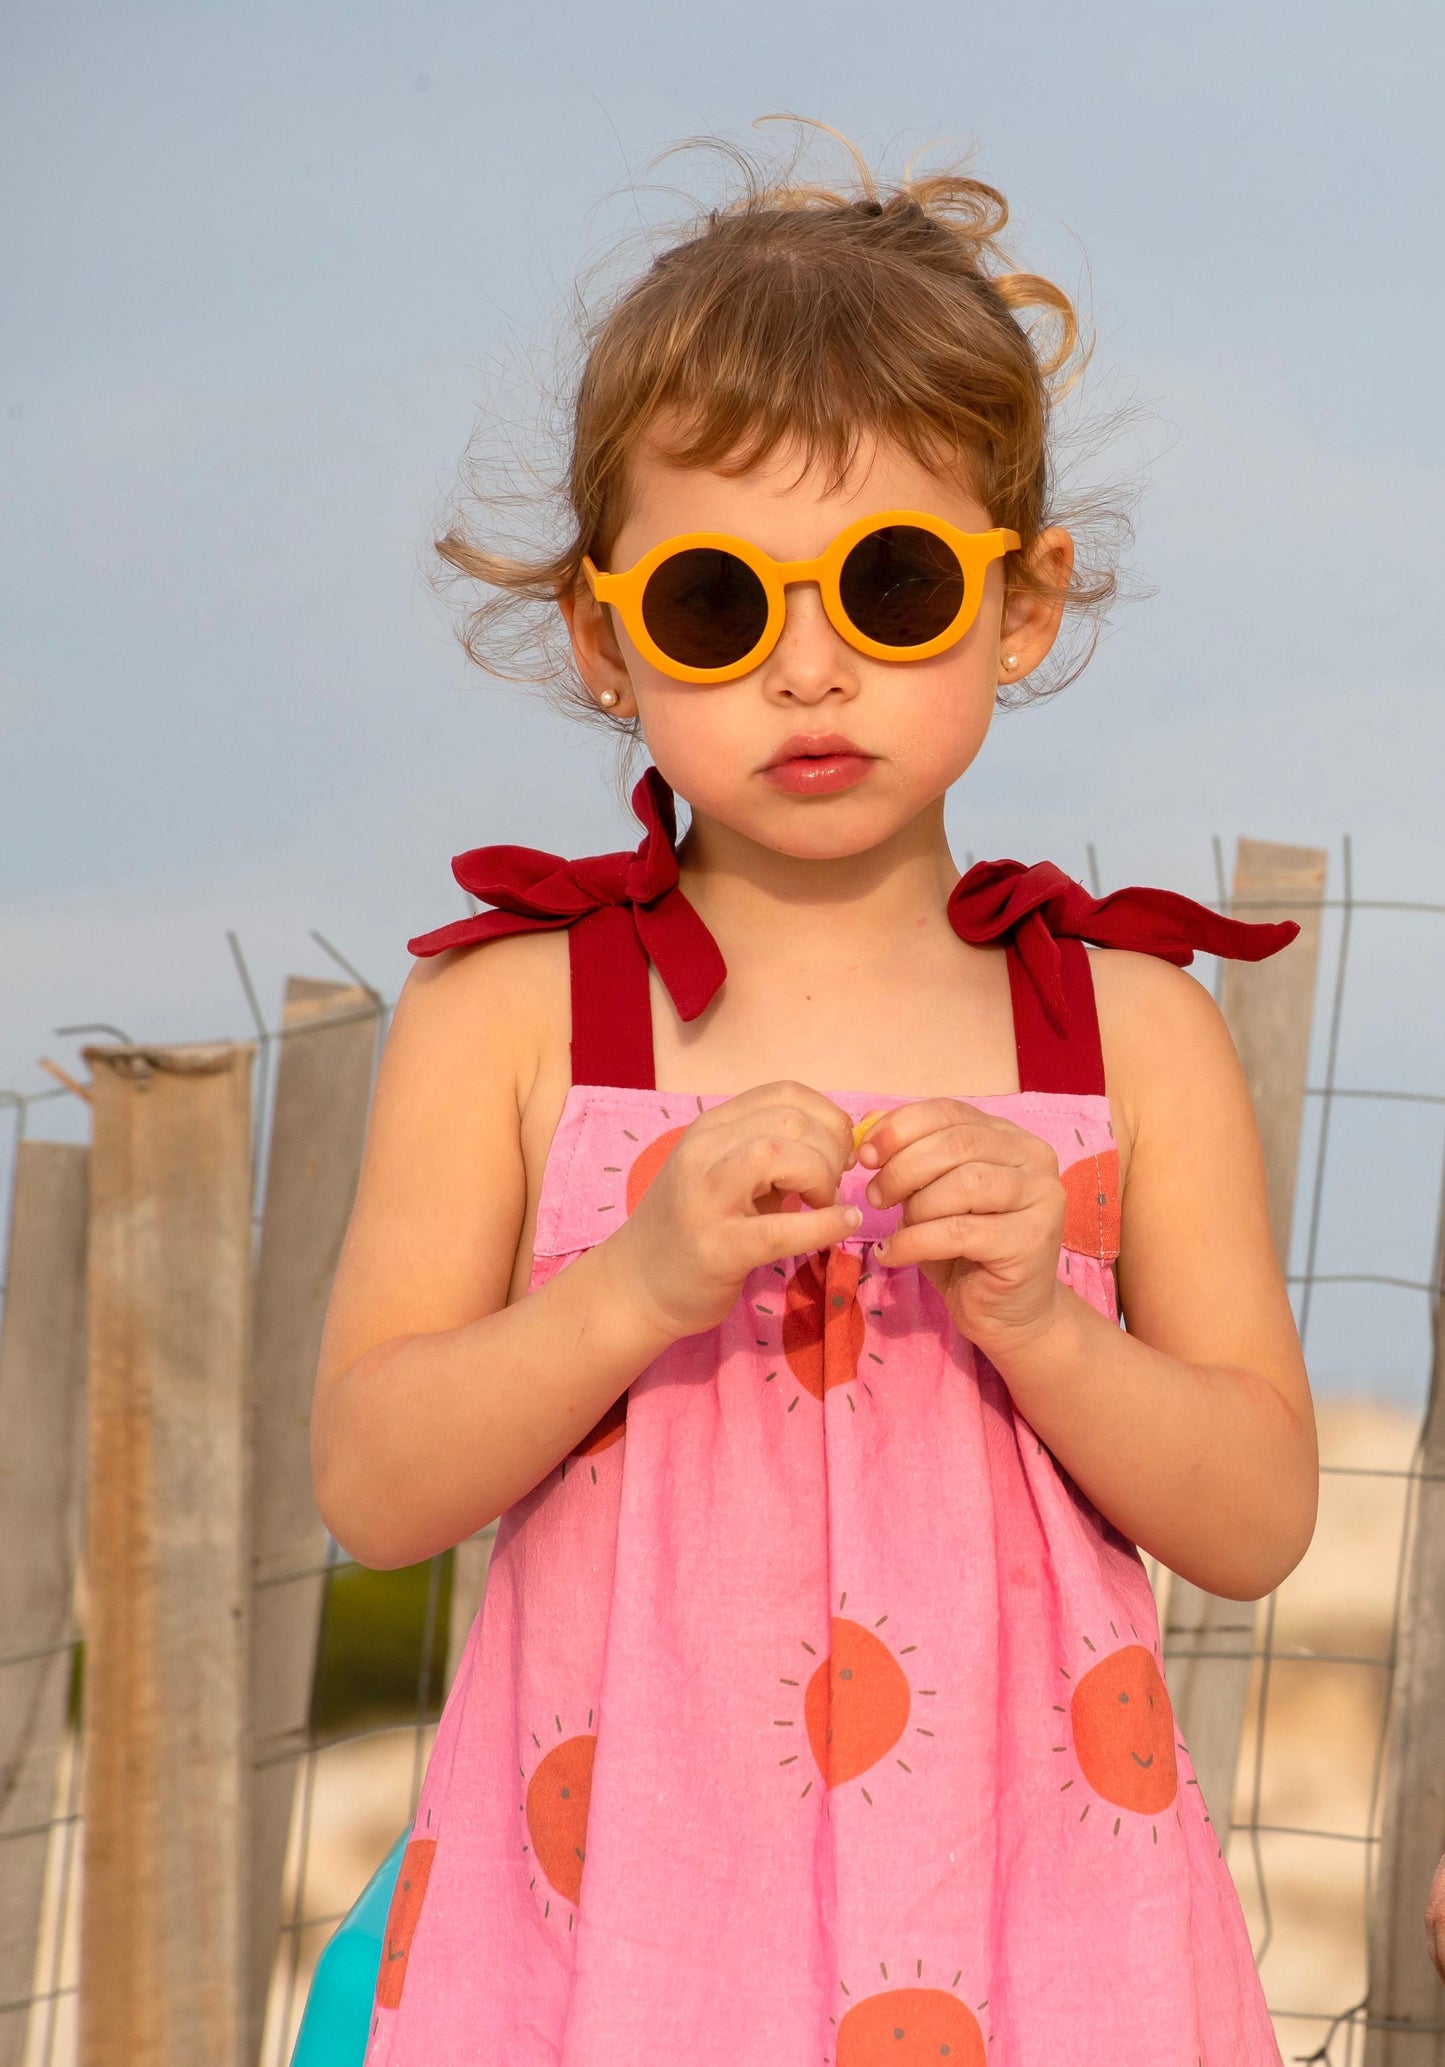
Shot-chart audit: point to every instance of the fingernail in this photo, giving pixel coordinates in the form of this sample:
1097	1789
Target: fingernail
853	1216
872	1194
868	1154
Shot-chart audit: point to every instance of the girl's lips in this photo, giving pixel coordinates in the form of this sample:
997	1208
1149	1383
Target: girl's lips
818	774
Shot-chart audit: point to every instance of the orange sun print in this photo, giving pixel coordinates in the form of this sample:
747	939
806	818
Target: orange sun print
646	1165
1123	1727
904	2027
558	1800
823	1324
402	1919
603	1434
856	1705
1092	1204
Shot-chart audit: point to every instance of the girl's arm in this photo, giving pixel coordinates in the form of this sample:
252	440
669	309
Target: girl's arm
1194	1432
416	1437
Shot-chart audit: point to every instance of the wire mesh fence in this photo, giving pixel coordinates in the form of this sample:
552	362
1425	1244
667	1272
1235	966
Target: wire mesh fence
1312	1779
1320	1674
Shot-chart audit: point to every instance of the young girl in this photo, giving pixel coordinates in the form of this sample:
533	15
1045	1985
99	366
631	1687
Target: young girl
742	1224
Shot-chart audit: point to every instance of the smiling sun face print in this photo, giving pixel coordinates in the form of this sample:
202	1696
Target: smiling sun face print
1121	1721
906	2027
1123	1727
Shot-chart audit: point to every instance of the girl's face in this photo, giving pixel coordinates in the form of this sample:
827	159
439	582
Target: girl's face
908	729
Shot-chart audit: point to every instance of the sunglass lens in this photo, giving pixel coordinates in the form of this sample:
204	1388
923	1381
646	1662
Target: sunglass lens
901	585
705	608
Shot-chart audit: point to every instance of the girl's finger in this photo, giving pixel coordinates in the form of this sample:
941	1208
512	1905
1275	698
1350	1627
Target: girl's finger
782	1120
769	1237
771	1162
786	1095
920	1162
970	1188
908	1123
986	1238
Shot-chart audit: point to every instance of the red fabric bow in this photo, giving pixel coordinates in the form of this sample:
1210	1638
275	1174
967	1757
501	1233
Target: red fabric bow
1040	905
996	900
537	892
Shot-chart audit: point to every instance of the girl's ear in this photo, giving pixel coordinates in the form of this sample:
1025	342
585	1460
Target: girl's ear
596	651
1031	622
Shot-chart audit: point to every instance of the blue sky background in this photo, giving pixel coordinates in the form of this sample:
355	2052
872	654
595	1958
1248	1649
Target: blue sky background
261	262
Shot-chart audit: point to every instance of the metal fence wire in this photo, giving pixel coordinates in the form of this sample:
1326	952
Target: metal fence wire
1315	1731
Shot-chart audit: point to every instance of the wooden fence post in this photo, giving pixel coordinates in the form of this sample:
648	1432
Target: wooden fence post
166	1785
1269	1007
1404	1989
323	1087
42	1392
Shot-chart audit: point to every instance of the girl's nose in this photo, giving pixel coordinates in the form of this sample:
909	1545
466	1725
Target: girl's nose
809	659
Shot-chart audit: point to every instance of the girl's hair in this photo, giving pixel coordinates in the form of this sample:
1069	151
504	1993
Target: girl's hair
804	316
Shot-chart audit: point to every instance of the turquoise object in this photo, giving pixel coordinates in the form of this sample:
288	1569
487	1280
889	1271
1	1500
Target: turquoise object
337	2018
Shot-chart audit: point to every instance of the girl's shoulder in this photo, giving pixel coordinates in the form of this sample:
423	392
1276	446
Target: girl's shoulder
523	968
1128	982
504	1001
1164	1038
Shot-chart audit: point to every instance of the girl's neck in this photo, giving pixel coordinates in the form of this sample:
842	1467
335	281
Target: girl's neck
875	900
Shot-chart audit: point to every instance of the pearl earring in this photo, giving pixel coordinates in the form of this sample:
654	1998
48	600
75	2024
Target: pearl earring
1012	660
607	698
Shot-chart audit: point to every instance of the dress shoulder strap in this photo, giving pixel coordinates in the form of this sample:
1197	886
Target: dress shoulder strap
1051	1059
1043	918
621	913
611	1005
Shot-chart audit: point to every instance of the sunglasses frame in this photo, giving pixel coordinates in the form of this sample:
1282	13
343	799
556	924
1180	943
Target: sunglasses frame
975	551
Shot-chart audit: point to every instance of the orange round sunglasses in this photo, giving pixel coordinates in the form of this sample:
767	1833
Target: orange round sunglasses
704	607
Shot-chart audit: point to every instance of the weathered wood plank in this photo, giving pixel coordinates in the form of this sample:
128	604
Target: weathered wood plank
323	1086
1269	1008
42	1399
1404	1989
166	1780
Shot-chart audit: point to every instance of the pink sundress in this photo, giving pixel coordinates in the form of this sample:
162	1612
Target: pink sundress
813	1716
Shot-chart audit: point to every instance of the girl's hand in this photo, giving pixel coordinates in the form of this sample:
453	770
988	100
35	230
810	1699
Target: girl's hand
983	1215
715	1209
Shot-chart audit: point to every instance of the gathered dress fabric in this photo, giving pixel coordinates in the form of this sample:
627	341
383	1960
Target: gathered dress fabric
813	1716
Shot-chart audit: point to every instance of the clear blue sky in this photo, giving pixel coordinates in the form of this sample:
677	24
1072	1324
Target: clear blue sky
258	260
